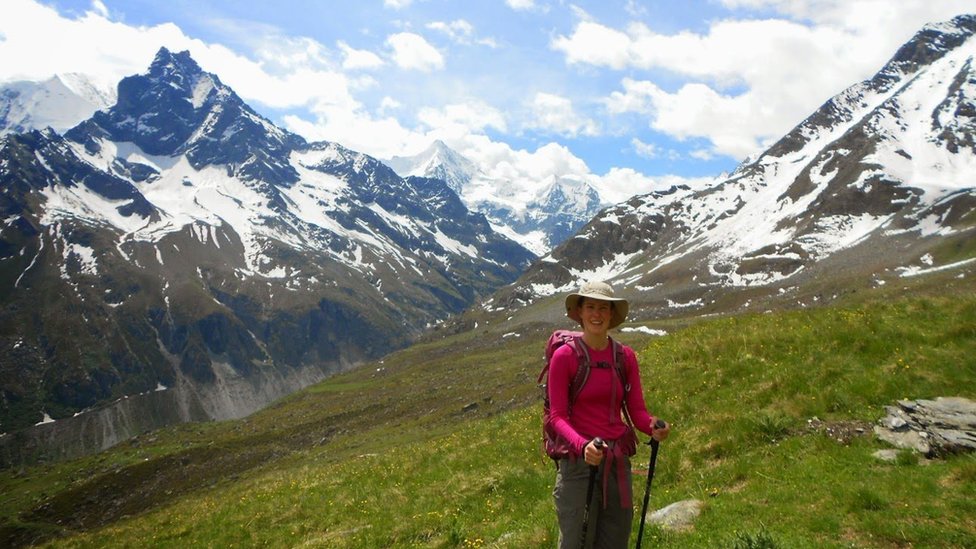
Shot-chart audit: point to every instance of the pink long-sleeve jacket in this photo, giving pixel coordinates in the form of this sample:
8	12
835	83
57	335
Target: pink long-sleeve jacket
593	414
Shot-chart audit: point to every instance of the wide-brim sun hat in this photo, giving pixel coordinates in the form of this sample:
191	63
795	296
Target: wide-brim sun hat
603	292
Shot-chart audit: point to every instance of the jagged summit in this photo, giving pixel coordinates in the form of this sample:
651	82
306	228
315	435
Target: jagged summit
177	108
439	161
179	68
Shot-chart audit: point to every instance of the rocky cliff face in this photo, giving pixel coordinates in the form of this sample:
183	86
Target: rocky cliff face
178	257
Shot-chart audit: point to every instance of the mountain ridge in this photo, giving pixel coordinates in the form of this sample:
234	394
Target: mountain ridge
205	251
869	185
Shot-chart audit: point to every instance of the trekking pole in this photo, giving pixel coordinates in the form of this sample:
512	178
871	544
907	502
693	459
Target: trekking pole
598	442
659	424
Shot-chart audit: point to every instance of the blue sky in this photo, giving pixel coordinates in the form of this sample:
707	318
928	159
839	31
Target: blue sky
632	95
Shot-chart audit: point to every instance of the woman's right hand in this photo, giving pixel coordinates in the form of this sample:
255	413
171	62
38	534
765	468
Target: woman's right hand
593	452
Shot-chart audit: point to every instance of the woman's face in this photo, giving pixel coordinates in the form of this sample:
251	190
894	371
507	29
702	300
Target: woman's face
596	315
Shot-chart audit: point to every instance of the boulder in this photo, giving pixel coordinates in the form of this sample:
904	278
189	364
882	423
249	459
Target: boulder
680	515
945	425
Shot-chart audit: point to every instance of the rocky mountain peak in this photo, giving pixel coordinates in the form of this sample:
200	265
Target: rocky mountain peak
930	43
438	161
178	68
177	108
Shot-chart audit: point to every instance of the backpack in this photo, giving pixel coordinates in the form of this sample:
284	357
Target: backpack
555	446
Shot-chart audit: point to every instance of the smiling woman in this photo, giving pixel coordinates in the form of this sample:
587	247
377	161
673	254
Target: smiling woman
596	413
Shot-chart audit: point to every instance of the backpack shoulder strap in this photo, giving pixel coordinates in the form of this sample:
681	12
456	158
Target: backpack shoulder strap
582	368
620	362
620	366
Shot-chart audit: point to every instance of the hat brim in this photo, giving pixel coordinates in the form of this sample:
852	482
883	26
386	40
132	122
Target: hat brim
620	307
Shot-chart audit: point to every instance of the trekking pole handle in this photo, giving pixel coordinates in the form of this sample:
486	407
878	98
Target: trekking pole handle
659	424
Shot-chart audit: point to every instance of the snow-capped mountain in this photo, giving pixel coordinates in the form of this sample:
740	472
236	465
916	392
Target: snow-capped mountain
439	162
60	102
536	214
181	251
877	184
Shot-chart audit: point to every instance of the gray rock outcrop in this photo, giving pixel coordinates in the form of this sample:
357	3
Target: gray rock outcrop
946	425
680	515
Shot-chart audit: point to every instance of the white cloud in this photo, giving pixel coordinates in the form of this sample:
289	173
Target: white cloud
397	4
646	150
596	44
635	8
555	114
458	30
358	59
619	184
27	28
389	104
112	50
454	120
489	42
878	16
758	56
551	160
520	4
411	51
519	170
276	54
736	125
357	130
99	7
748	81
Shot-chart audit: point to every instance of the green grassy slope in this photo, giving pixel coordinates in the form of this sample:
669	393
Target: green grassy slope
437	446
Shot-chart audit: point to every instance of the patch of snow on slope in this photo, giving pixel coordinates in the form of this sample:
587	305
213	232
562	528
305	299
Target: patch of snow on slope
615	268
916	271
201	90
534	241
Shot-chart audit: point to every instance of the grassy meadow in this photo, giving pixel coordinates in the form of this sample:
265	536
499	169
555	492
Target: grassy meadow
438	445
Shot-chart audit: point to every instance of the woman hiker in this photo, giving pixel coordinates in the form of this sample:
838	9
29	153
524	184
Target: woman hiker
594	417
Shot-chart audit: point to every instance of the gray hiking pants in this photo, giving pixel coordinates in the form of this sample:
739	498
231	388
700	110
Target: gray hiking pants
609	527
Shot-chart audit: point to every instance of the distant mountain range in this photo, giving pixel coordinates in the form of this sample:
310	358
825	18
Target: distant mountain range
177	257
877	184
538	214
60	102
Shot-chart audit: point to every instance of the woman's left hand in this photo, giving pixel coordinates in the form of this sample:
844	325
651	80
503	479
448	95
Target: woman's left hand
661	433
